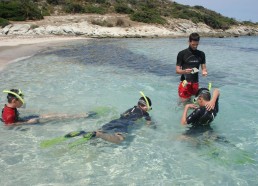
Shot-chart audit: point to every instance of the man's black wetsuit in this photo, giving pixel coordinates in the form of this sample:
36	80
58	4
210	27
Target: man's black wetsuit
126	119
189	58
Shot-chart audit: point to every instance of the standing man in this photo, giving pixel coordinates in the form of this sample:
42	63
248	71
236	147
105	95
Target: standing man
188	63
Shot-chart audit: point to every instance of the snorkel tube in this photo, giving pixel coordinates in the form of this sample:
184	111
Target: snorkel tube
146	100
209	86
19	95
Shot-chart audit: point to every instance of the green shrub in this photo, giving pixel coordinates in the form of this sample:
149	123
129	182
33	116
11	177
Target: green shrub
123	9
212	22
95	9
148	17
3	22
73	8
101	1
53	2
12	11
45	10
19	10
97	1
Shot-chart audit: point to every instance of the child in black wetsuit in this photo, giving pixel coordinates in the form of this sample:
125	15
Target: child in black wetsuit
115	130
203	114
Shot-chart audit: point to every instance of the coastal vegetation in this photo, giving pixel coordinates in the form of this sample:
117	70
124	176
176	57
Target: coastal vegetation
147	11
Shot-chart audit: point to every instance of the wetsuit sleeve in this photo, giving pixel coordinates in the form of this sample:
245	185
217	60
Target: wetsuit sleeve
194	116
147	116
179	61
217	106
203	58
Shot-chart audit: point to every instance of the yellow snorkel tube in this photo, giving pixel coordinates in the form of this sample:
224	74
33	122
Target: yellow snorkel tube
19	95
209	86
146	100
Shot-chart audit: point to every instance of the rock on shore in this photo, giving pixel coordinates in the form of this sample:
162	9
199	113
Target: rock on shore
116	25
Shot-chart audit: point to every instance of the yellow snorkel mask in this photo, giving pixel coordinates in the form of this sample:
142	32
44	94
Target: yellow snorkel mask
18	95
146	100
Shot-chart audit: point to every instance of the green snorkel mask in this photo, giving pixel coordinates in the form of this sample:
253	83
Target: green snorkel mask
146	101
18	95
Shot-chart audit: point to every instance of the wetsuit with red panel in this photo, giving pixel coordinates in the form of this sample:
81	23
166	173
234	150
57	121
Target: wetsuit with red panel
9	115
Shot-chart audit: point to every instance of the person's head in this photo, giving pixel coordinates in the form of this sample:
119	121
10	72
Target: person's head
15	97
143	103
194	39
202	96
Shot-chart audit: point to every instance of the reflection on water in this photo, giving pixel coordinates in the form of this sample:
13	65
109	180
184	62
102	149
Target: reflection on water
80	77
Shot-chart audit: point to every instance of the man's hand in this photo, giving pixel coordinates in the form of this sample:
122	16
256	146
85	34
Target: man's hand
204	73
210	105
188	71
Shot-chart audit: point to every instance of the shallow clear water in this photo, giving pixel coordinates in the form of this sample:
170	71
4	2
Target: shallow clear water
81	76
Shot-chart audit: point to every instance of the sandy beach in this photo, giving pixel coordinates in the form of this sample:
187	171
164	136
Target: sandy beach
13	48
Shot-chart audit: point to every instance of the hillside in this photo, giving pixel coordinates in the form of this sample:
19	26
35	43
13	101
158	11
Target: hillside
127	15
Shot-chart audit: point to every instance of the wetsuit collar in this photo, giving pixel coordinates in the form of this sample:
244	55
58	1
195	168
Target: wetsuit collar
189	48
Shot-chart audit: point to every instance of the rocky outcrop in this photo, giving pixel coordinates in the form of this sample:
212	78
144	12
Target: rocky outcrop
116	25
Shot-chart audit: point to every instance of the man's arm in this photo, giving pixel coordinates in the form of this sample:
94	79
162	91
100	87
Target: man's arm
204	70
211	104
185	71
184	116
179	63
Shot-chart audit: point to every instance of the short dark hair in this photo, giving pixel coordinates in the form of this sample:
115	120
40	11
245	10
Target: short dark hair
204	93
10	96
142	100
194	37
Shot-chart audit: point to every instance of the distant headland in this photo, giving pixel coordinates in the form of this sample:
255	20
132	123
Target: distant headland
115	19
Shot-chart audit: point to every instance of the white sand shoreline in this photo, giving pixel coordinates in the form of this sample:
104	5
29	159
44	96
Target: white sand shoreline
25	40
17	48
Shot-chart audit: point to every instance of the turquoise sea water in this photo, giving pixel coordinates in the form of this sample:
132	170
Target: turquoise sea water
81	76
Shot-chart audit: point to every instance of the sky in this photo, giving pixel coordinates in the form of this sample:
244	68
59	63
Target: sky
241	10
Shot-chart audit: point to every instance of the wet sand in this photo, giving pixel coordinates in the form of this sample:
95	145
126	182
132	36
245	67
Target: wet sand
12	48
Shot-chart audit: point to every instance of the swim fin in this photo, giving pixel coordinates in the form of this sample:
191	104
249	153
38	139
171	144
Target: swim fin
86	137
52	142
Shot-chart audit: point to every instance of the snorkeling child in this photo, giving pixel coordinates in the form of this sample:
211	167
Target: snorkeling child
115	131
207	110
204	113
15	100
10	114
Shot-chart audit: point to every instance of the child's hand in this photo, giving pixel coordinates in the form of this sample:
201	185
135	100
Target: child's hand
192	106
